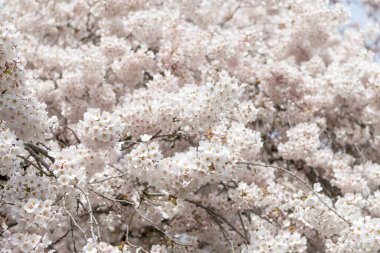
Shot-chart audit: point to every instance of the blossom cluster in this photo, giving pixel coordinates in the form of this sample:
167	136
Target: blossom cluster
100	128
187	126
10	148
20	110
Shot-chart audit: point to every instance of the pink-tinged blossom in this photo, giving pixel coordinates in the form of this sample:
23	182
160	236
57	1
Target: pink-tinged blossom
188	126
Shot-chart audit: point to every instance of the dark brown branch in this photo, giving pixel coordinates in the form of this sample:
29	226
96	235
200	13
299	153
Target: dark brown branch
39	168
72	131
216	216
40	162
59	239
156	135
40	150
242	224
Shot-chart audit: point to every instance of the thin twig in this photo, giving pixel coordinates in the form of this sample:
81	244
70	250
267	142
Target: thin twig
112	199
30	163
72	237
132	143
242	224
215	215
90	212
302	181
109	178
39	160
73	219
73	132
59	239
225	234
34	165
131	244
163	232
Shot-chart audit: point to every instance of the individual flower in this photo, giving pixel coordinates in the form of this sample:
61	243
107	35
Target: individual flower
145	137
31	205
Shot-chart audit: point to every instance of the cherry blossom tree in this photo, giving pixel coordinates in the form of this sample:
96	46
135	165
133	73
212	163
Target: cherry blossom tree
187	126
